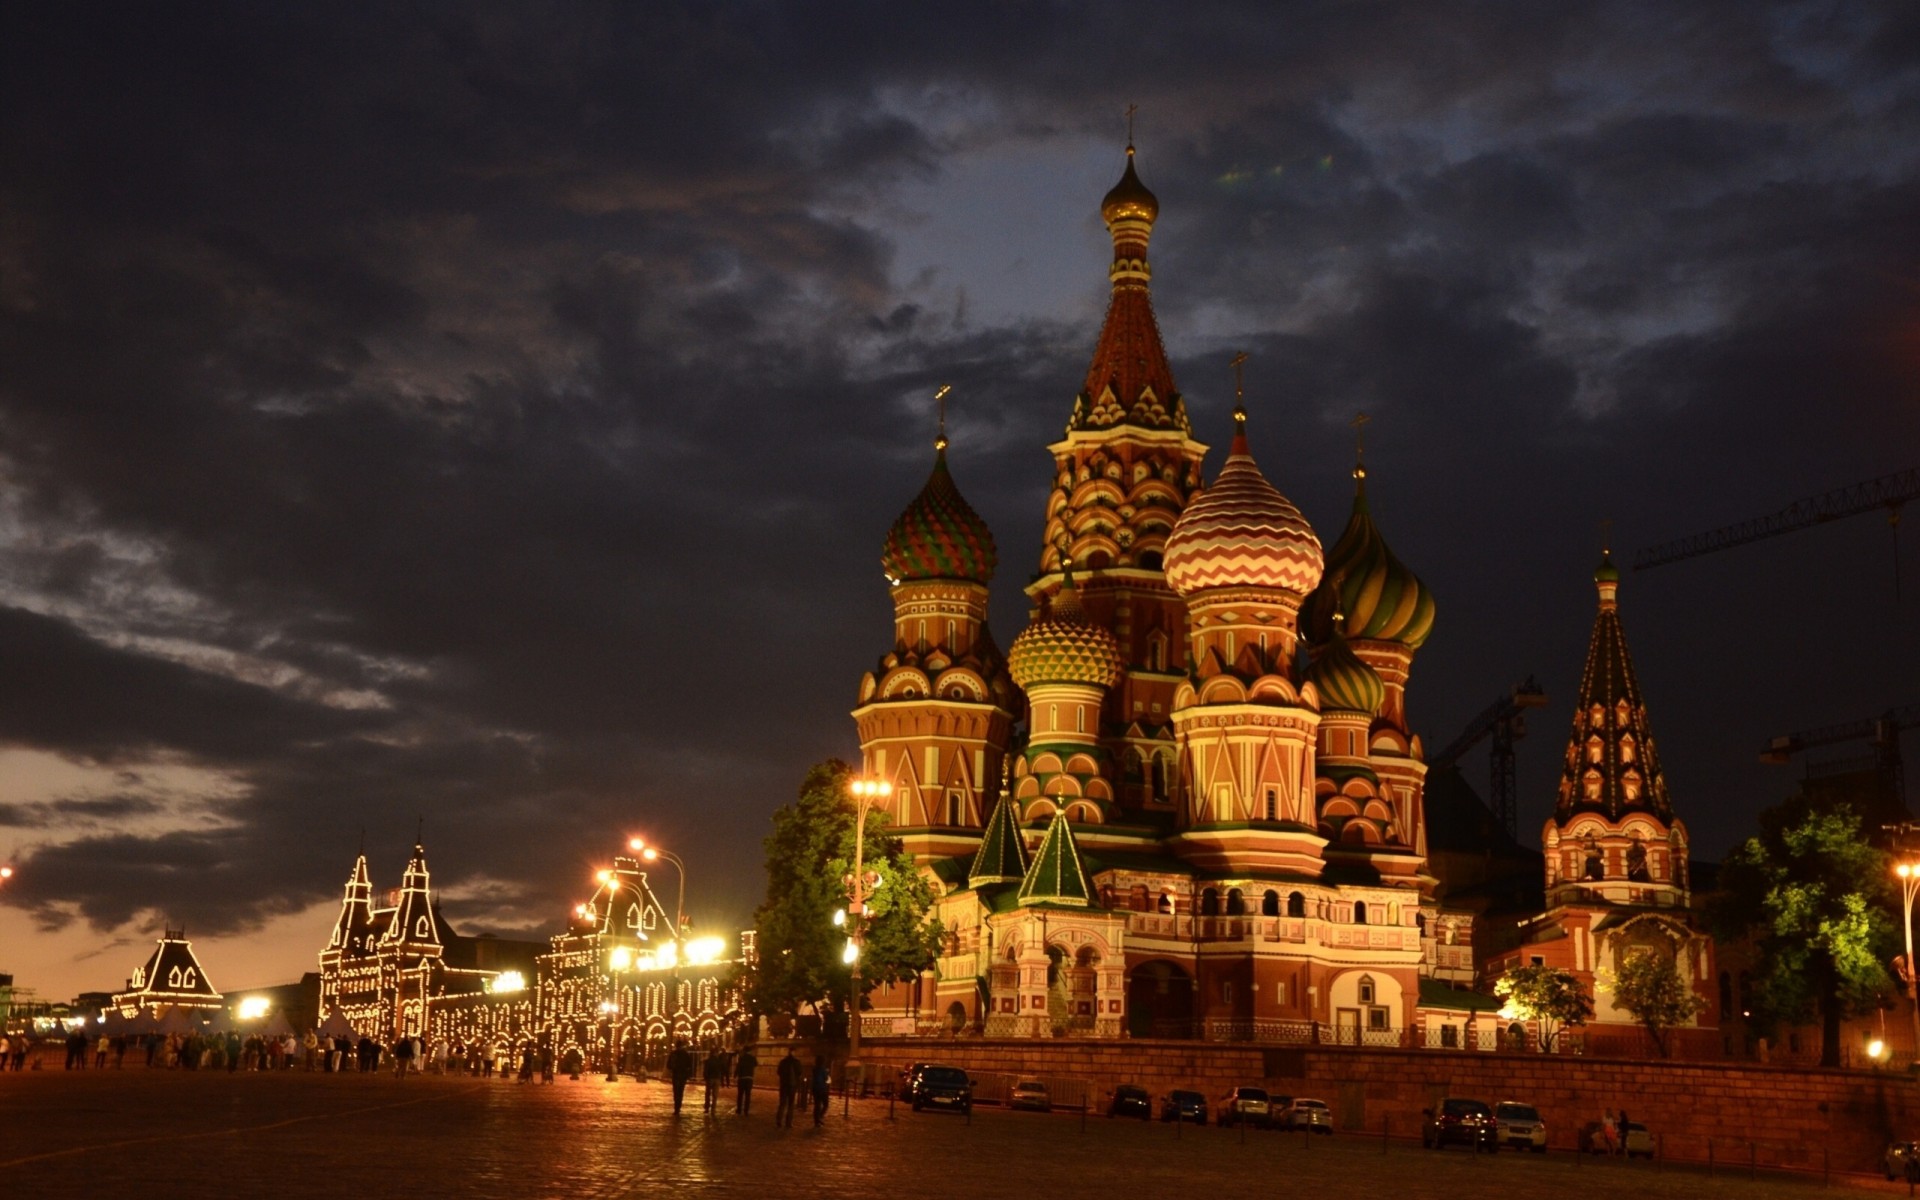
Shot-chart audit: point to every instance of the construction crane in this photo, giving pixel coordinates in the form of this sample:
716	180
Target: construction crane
1883	731
1886	493
1505	721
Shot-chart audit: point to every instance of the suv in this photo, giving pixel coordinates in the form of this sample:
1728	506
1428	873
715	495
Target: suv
1130	1100
1311	1115
1249	1104
1902	1161
1031	1094
1467	1122
1183	1105
1520	1126
932	1086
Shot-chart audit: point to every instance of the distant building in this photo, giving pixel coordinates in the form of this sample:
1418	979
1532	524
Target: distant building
172	977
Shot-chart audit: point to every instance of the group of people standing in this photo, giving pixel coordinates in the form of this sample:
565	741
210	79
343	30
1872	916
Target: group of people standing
798	1085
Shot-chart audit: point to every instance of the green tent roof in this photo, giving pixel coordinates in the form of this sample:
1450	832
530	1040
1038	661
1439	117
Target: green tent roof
1002	857
1056	875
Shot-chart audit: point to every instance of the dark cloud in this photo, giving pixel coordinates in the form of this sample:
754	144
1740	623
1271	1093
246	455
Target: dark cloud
489	416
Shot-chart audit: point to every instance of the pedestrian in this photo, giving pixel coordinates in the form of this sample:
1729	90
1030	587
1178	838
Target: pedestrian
679	1070
1622	1121
1607	1129
546	1063
403	1057
100	1053
821	1083
791	1073
6	1050
526	1063
714	1075
743	1068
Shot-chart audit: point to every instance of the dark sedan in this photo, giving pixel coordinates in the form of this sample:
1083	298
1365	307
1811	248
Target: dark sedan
1190	1107
1130	1100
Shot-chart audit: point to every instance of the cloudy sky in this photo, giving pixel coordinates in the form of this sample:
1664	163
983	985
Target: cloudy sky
489	415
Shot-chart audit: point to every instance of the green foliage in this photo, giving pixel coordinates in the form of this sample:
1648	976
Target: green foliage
1552	996
1813	895
809	856
1647	983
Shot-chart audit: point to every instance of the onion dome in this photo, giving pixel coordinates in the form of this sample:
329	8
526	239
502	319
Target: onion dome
1062	646
1129	198
939	536
1241	532
1382	599
1345	683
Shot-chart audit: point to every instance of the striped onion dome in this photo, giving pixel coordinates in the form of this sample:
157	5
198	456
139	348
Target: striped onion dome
1241	532
1345	683
939	536
1062	646
1382	599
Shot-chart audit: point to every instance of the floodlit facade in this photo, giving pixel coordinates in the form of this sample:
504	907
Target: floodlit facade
1187	799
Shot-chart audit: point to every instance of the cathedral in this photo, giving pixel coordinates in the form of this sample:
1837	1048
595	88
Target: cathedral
1186	801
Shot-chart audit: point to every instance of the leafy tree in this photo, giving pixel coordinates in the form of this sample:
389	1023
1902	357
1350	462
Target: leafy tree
1552	996
1813	895
809	857
1647	983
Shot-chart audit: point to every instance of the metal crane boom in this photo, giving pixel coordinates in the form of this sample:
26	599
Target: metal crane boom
1883	731
1504	721
1888	492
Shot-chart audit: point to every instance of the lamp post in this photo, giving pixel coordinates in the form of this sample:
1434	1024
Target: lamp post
607	1010
1909	873
866	792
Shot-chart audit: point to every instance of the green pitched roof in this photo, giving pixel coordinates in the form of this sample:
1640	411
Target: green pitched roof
1435	994
1002	857
1056	875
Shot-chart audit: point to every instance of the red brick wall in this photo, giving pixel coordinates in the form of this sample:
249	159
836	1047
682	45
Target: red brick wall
1782	1116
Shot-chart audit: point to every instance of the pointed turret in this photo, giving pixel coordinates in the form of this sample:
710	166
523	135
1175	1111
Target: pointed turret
1056	876
413	919
1611	766
356	911
1002	857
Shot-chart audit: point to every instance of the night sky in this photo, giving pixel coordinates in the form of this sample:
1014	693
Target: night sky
489	415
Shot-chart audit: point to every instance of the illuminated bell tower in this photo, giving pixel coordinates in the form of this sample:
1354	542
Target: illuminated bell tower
936	715
1122	474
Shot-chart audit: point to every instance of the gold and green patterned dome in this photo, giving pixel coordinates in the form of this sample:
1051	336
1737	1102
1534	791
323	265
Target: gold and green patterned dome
1062	646
1345	683
1382	599
939	536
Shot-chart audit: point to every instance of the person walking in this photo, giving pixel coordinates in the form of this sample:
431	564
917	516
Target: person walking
791	1073
714	1074
402	1057
821	1086
526	1064
679	1070
744	1065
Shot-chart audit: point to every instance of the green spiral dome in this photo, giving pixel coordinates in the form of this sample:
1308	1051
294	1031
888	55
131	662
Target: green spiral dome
1345	683
1383	600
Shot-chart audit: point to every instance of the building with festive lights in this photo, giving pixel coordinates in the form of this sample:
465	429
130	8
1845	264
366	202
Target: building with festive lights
171	978
1187	799
625	973
1616	855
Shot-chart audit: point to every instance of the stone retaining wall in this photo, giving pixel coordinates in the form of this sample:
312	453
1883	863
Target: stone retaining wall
1775	1116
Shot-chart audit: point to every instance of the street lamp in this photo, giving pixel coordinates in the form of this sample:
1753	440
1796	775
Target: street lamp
607	1010
651	853
866	793
1909	873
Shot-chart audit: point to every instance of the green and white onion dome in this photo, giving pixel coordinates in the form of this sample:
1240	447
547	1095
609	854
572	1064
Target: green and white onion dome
1345	683
1382	599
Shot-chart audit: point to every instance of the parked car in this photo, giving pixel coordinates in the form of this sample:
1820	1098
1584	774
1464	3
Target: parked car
1460	1121
1902	1160
1636	1142
1520	1126
1032	1095
1249	1104
1181	1105
1309	1114
1130	1100
930	1085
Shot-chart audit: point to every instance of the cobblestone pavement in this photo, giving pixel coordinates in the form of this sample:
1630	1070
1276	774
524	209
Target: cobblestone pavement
162	1134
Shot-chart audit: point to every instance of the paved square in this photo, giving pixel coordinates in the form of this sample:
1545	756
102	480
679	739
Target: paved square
163	1134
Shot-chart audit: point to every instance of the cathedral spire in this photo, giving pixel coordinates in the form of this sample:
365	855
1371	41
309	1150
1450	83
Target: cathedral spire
1611	765
1129	381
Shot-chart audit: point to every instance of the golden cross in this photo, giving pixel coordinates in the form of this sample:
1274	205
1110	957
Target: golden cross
1359	423
1239	388
1131	109
1606	536
940	401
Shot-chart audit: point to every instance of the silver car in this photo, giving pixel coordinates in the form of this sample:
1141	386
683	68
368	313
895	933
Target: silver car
1520	1126
1309	1114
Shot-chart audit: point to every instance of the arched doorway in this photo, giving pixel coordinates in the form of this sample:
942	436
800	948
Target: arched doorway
1159	1001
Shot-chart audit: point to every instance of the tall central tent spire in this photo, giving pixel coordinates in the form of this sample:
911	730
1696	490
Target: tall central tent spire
1129	381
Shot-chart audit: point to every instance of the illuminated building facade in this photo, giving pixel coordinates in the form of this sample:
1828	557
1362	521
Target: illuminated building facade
1616	855
172	977
1210	819
621	974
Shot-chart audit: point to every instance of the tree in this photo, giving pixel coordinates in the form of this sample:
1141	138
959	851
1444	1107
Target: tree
1647	983
799	949
1552	996
1813	896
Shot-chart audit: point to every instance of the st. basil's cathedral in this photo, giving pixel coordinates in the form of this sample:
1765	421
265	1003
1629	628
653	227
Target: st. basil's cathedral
1187	801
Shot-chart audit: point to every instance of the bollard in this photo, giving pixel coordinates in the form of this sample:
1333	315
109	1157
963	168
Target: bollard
1242	1123
1383	1134
846	1099
1086	1102
1659	1151
1177	1122
889	1103
1753	1159
1709	1158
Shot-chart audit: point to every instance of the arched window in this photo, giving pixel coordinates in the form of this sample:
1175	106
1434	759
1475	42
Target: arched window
1596	867
1236	903
1272	808
1366	989
1166	903
1137	897
1420	923
1596	749
1359	912
1626	748
1637	862
1590	784
1296	905
1209	903
1270	904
